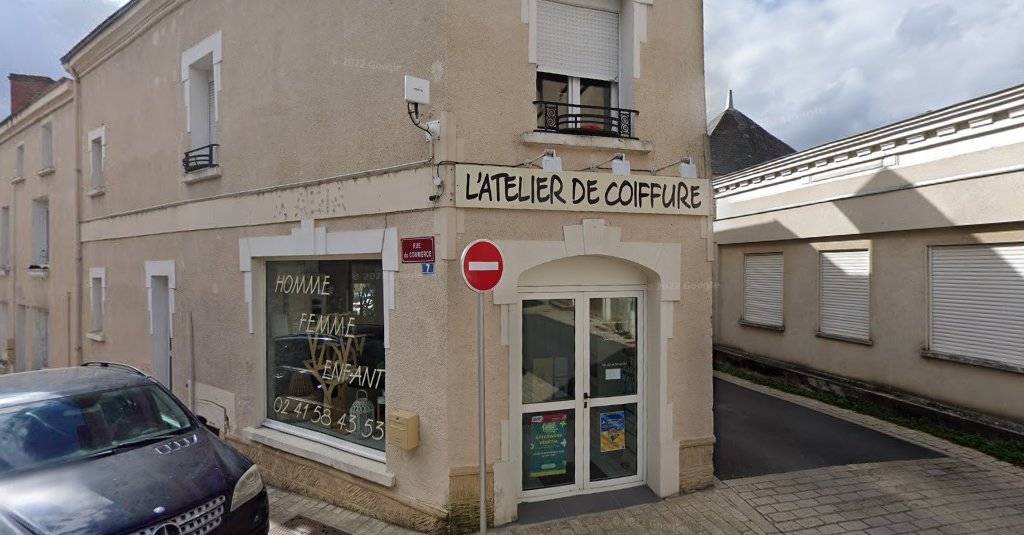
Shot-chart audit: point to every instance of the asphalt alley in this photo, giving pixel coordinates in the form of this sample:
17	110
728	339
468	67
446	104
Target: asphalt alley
758	434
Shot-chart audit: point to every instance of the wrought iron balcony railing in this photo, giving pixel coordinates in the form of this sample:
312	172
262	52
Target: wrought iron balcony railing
586	120
201	158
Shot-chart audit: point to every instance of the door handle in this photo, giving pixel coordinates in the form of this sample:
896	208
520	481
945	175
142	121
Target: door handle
586	396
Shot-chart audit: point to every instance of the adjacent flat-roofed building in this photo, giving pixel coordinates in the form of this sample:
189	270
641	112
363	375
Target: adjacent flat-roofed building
894	257
273	233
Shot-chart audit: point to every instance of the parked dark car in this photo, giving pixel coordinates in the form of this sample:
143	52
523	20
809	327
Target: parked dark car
104	449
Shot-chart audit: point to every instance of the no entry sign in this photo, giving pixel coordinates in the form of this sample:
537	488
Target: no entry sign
482	265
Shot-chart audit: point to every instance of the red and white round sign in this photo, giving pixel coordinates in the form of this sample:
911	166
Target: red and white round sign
482	265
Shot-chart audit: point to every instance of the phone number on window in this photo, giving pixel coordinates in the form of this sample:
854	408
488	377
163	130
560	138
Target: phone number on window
322	416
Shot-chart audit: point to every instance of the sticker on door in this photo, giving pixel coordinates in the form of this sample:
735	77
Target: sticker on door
613	431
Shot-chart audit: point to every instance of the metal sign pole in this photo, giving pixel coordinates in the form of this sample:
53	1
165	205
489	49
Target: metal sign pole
480	382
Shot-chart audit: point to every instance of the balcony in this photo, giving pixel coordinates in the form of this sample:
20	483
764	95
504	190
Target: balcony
201	158
562	118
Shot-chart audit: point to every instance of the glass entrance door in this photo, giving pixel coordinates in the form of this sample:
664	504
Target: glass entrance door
581	390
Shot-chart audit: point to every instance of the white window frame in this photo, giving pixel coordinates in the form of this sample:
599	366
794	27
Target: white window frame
97	302
46	147
782	304
309	242
97	164
209	49
822	332
41	232
19	162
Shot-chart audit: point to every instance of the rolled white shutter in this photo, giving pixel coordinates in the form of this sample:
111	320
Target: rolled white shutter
577	41
977	302
762	289
845	294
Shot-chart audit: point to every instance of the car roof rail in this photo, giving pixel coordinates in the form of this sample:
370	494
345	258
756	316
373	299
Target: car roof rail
118	365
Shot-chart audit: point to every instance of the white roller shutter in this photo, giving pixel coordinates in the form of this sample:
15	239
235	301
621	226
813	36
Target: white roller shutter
762	289
577	41
977	302
845	294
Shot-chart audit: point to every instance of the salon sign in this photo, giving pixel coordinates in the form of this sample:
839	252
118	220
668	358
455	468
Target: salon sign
580	191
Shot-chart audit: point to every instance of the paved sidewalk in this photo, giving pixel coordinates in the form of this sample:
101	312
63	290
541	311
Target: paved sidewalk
966	492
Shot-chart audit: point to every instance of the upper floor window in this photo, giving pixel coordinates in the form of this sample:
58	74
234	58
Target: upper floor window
200	75
41	232
19	161
46	143
97	296
97	154
578	69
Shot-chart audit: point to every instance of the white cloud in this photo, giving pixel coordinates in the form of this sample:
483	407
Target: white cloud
812	71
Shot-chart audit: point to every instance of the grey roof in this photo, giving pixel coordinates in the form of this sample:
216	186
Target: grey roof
737	142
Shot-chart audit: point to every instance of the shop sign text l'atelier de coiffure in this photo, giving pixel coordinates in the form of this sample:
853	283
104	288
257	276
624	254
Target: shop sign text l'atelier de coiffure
579	191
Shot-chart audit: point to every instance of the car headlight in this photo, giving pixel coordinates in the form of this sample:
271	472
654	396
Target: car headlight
248	486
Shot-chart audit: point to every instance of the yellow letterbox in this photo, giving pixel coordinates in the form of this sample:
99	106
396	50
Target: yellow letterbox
403	429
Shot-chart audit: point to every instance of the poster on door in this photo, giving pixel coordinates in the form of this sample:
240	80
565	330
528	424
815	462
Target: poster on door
548	444
613	431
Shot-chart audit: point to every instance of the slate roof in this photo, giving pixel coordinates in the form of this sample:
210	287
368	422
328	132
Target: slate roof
737	142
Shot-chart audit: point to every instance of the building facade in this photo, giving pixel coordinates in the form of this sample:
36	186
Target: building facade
251	176
892	258
38	245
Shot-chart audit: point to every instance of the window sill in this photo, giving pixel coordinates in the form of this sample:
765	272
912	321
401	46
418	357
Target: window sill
776	328
349	463
201	175
38	272
96	192
46	171
861	341
973	361
96	336
594	142
17	179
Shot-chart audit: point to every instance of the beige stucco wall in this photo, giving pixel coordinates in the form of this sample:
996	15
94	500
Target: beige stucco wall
316	92
968	191
54	292
899	318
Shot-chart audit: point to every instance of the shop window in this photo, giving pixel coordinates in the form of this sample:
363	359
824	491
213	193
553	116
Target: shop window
325	349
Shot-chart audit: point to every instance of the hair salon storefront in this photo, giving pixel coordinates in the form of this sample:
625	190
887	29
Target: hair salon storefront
597	346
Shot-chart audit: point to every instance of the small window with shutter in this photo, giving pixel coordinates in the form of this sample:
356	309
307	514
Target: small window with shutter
762	290
844	295
578	67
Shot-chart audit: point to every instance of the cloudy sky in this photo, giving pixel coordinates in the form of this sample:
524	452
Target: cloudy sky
810	71
34	34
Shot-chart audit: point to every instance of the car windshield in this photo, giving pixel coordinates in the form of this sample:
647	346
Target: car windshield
65	429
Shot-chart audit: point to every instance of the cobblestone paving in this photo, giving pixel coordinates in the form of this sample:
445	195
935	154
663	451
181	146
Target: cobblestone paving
967	492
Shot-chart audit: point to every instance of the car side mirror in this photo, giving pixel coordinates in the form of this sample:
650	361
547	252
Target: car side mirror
203	420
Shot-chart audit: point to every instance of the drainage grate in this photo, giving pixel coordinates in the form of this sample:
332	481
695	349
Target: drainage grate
301	525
